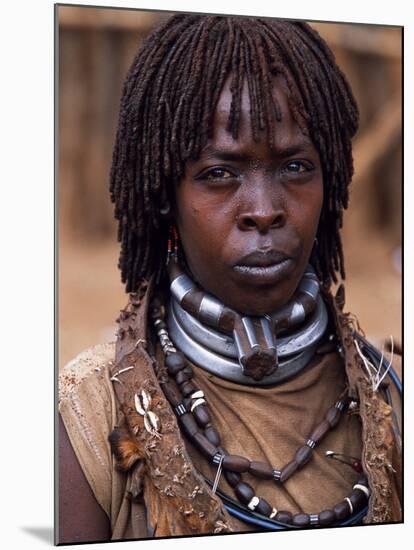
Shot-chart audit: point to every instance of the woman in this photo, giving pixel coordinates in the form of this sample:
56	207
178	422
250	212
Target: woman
239	396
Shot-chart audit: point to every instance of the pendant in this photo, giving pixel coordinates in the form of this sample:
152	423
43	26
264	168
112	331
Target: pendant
256	346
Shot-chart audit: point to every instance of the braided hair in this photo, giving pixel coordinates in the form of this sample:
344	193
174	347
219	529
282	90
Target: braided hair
166	118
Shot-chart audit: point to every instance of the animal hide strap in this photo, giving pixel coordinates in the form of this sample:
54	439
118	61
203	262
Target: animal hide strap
377	433
177	498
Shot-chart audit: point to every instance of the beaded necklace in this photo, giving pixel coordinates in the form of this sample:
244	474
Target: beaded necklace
190	406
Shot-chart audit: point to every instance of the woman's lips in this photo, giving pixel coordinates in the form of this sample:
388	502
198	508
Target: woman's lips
265	274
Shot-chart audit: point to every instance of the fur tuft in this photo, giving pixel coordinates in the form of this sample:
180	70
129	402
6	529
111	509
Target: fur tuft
124	448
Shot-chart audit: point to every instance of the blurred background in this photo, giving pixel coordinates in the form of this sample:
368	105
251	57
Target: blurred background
95	48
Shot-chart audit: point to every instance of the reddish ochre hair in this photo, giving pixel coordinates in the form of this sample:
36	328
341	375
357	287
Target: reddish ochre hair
166	116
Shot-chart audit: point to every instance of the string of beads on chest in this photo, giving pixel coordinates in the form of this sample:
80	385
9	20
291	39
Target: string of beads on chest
190	406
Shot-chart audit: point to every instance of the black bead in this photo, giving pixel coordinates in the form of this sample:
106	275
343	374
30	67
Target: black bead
184	374
201	415
284	517
187	401
263	507
358	499
212	435
342	510
244	492
303	455
363	481
189	424
171	393
187	388
207	448
236	463
301	520
326	517
232	478
261	469
288	470
175	362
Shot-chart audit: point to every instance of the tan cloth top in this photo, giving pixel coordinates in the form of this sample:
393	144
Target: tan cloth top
88	407
270	424
267	424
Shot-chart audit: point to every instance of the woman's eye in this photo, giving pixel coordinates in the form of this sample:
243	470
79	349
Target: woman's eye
217	174
297	167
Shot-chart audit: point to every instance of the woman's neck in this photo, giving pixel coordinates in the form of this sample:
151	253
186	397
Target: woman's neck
248	349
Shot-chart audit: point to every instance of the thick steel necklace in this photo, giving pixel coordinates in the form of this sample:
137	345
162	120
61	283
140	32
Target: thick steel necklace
240	348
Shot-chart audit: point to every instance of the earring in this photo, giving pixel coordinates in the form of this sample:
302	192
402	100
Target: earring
165	209
172	244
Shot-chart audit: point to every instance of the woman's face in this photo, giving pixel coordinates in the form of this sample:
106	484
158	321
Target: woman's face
247	214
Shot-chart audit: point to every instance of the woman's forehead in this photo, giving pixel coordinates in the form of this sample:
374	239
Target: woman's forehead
279	91
286	131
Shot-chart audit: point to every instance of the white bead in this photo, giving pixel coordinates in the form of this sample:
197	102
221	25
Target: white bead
274	512
253	503
197	394
349	504
197	403
362	488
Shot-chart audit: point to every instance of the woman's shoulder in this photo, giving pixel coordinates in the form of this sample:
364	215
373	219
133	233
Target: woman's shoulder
87	407
95	359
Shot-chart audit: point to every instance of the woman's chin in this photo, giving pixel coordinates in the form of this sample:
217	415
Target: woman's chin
250	300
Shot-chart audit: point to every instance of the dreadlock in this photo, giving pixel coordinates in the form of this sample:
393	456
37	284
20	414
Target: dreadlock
166	118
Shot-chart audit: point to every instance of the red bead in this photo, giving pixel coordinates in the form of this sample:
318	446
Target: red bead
357	466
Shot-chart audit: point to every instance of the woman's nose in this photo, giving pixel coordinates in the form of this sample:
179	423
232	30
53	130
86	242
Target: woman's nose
261	215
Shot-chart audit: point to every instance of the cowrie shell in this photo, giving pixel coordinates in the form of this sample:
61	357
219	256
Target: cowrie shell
142	402
146	399
151	421
138	405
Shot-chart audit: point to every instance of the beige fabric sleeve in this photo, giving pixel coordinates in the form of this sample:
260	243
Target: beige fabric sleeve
86	404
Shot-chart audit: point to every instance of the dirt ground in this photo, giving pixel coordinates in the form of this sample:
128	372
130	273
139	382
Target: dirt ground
91	294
